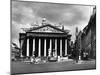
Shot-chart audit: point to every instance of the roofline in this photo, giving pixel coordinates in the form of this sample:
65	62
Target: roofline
47	25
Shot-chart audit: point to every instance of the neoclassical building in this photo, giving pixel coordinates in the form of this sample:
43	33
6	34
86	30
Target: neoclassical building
45	40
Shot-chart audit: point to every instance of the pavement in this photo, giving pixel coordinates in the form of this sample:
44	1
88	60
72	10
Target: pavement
86	62
23	68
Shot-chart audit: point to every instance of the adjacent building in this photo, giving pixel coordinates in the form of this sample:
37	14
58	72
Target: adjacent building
15	51
87	38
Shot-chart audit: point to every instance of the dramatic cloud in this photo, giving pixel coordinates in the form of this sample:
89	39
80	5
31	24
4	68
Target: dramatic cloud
26	13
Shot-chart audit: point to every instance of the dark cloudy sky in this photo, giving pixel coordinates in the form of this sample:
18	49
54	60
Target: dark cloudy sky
26	13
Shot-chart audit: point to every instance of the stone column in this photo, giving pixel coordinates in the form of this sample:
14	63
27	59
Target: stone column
27	47
44	47
80	47
33	46
60	47
65	46
39	52
50	47
21	44
56	47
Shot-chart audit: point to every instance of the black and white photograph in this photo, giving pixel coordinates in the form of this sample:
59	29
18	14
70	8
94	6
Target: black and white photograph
52	37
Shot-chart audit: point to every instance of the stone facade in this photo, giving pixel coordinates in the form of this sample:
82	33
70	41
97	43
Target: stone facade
44	41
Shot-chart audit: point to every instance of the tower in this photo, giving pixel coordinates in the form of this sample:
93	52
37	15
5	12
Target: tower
76	32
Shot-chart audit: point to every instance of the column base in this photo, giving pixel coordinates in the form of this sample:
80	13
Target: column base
39	57
21	56
79	57
66	57
45	56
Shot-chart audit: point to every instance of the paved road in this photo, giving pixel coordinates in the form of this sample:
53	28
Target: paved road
20	67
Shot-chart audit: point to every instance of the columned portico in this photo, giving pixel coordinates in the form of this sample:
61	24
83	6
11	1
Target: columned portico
50	49
44	44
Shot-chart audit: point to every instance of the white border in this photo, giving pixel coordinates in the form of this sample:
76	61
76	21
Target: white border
5	37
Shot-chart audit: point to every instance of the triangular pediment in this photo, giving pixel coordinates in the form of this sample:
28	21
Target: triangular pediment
47	28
